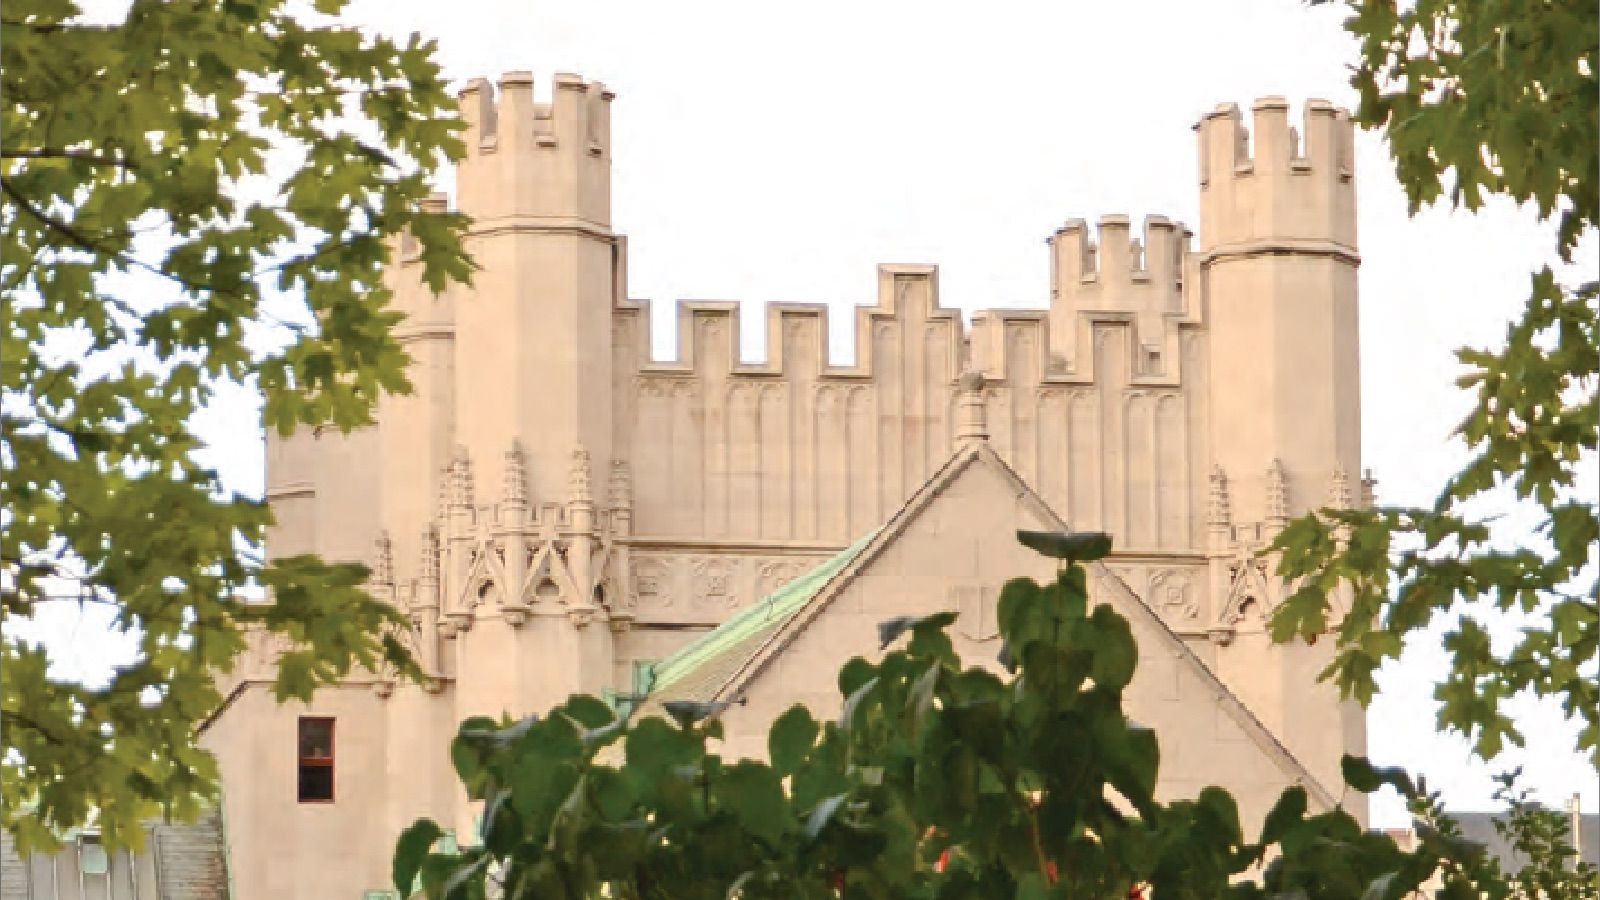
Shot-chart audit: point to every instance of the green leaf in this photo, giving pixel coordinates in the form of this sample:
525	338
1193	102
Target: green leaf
1082	546
791	739
1286	813
412	848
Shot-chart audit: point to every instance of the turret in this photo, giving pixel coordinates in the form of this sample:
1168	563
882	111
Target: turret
1277	266
536	183
1278	253
533	396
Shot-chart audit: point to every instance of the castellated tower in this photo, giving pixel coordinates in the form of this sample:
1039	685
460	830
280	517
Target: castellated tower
1278	259
559	511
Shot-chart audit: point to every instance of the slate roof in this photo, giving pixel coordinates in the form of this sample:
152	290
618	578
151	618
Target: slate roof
1479	827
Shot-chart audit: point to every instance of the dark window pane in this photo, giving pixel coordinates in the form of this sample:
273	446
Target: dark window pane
316	738
316	783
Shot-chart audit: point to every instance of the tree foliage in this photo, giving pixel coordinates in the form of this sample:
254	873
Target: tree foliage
938	780
178	187
1478	100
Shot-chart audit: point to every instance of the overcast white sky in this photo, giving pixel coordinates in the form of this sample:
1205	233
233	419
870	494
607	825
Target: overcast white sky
780	151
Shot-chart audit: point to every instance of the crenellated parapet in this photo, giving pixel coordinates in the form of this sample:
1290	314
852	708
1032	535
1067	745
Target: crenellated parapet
528	159
1275	188
1115	277
709	344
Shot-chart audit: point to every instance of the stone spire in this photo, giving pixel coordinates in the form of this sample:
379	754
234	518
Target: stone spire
1277	494
428	566
1369	491
383	561
514	490
578	479
461	488
1219	511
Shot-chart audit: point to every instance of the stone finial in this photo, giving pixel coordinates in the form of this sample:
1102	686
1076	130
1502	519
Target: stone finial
461	488
1339	493
514	490
1220	510
429	563
383	561
442	500
578	479
972	421
1277	493
1369	491
621	487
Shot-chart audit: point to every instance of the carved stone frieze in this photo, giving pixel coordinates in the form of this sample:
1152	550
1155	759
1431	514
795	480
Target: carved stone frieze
673	587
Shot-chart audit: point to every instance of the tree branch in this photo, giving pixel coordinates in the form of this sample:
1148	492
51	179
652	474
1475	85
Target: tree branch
99	159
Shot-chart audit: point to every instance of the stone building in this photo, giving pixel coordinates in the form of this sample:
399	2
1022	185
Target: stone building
559	511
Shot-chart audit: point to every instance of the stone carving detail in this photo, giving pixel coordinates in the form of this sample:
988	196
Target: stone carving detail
711	586
1172	594
652	583
1339	494
1369	491
1250	596
704	588
773	574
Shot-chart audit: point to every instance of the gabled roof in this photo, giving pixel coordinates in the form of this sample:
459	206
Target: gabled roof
747	652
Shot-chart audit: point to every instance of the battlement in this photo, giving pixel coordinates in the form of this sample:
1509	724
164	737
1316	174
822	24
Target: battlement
526	158
709	343
1274	182
1114	277
1116	270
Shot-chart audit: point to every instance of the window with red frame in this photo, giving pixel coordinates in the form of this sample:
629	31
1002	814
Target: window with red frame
316	760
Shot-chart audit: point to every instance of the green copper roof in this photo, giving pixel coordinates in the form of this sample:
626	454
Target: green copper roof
700	669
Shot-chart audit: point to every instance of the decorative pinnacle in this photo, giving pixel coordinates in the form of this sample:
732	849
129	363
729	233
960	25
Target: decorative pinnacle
578	478
430	555
1277	493
972	421
383	561
515	490
1221	510
1339	494
461	491
1369	490
621	485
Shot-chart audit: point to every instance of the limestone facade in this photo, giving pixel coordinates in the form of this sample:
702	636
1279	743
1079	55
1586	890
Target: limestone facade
553	506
